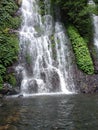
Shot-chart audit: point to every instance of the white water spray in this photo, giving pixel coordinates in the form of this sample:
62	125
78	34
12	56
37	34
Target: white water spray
44	61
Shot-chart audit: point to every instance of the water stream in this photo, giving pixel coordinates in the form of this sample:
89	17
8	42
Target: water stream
95	23
45	56
95	17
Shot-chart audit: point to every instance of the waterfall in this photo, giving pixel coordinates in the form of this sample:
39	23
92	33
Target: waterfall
95	22
45	64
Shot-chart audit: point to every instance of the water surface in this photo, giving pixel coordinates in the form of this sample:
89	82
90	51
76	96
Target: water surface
56	112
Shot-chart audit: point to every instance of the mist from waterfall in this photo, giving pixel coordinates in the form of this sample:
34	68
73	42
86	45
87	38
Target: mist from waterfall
45	63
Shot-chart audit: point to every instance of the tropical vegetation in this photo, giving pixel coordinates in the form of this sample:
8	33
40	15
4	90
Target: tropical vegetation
76	15
9	21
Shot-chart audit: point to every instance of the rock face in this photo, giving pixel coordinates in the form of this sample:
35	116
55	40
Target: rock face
8	90
19	2
8	127
33	87
88	83
85	83
55	81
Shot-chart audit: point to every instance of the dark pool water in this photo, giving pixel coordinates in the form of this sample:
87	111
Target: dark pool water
61	112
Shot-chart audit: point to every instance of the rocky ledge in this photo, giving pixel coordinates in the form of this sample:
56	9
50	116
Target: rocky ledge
8	90
85	83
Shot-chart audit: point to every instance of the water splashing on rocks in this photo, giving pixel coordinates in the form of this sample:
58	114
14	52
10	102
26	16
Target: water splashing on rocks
44	60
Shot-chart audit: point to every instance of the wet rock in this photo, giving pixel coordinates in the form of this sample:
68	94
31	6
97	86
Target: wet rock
43	76
12	127
8	127
21	95
1	104
8	90
19	2
96	71
33	86
4	127
51	78
85	83
1	96
12	92
55	81
19	70
1	100
57	128
10	69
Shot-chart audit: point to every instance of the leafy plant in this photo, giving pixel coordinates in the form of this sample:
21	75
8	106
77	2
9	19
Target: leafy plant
1	82
8	41
11	79
2	70
42	7
76	13
83	58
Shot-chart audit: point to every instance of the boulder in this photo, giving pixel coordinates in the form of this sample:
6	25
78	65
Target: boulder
8	90
33	86
55	81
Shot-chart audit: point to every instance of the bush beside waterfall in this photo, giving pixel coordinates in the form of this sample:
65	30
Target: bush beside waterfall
9	23
81	51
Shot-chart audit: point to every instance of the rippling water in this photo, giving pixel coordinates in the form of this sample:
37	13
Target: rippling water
61	112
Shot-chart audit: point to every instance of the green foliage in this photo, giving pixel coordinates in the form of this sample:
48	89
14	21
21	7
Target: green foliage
2	70
11	79
7	14
53	45
8	49
96	1
42	7
8	41
93	9
81	51
76	12
1	82
28	58
96	7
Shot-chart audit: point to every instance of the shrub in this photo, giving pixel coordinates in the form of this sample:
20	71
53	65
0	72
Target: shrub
11	79
8	42
83	58
1	82
76	13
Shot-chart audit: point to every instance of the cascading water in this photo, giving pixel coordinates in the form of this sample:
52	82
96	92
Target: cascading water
95	21
44	60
